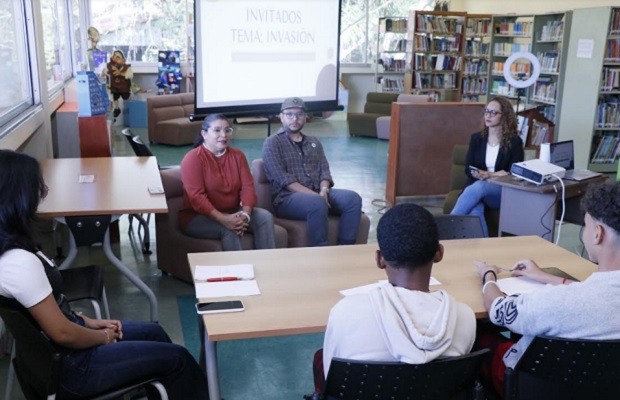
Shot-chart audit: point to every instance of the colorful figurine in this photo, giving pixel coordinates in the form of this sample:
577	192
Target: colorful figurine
119	74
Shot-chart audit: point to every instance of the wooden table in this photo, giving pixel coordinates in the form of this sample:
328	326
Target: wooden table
530	209
120	186
299	286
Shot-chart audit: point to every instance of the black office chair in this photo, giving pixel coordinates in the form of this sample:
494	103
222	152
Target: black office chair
37	359
141	149
129	136
555	368
448	378
458	226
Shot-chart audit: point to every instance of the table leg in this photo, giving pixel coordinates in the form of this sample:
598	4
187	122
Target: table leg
72	248
527	213
107	249
212	373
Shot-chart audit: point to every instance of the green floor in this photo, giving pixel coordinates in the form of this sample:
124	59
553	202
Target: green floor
275	368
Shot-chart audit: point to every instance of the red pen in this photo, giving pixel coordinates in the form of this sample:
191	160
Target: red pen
224	279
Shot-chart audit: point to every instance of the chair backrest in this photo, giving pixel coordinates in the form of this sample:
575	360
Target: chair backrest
437	380
458	179
140	148
458	226
566	369
414	98
262	186
130	136
37	359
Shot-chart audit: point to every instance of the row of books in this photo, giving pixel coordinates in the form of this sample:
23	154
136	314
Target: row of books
472	98
390	64
392	84
396	25
545	90
614	24
549	61
610	79
477	27
394	44
476	67
516	69
426	43
522	127
476	48
438	62
506	49
433	81
434	24
608	115
514	28
613	50
607	150
540	133
548	111
553	30
475	86
502	88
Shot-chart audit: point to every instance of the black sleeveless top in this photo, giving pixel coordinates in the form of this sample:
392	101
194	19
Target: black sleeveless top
55	278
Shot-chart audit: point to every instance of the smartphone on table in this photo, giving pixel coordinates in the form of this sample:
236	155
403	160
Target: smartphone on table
214	307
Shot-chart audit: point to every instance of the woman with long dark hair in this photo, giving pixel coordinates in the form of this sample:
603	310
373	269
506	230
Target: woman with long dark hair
98	355
491	153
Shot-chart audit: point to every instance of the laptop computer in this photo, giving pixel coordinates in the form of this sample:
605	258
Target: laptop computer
562	154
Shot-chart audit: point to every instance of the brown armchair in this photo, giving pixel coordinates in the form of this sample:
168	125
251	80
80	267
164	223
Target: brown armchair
168	119
297	232
458	181
173	244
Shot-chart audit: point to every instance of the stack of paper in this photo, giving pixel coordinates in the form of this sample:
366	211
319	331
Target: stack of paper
237	280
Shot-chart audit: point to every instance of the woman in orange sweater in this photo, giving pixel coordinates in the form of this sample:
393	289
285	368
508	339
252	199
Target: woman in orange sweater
218	191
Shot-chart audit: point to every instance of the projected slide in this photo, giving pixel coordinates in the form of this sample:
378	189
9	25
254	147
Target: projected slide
252	53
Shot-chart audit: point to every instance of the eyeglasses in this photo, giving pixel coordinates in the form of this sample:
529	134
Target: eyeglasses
292	115
226	131
492	113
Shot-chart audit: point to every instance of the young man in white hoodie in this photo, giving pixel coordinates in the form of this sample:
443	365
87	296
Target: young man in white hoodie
401	320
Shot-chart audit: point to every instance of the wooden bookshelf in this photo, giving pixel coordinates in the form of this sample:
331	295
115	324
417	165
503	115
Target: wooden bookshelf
475	74
435	45
539	130
391	54
589	95
551	32
511	34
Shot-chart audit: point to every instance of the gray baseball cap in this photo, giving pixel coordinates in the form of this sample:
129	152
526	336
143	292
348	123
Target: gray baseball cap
293	102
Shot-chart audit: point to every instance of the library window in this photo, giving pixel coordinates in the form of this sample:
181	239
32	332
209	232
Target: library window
15	72
358	25
140	28
56	42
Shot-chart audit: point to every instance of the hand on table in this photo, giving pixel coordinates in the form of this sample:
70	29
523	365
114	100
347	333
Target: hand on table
483	268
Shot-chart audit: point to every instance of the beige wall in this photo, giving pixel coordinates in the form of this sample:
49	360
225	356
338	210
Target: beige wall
525	6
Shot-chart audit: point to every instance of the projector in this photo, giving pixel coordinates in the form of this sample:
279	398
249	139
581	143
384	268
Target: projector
537	171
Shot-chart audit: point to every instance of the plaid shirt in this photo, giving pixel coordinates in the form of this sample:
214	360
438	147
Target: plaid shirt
285	164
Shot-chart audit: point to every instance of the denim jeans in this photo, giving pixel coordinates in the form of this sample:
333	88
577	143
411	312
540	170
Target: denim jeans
313	209
261	226
145	351
475	197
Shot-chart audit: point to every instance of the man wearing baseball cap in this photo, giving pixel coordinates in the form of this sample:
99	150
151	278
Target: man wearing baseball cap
301	183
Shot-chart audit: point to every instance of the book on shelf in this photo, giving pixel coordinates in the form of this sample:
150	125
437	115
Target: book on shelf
522	127
610	79
614	23
553	30
607	150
